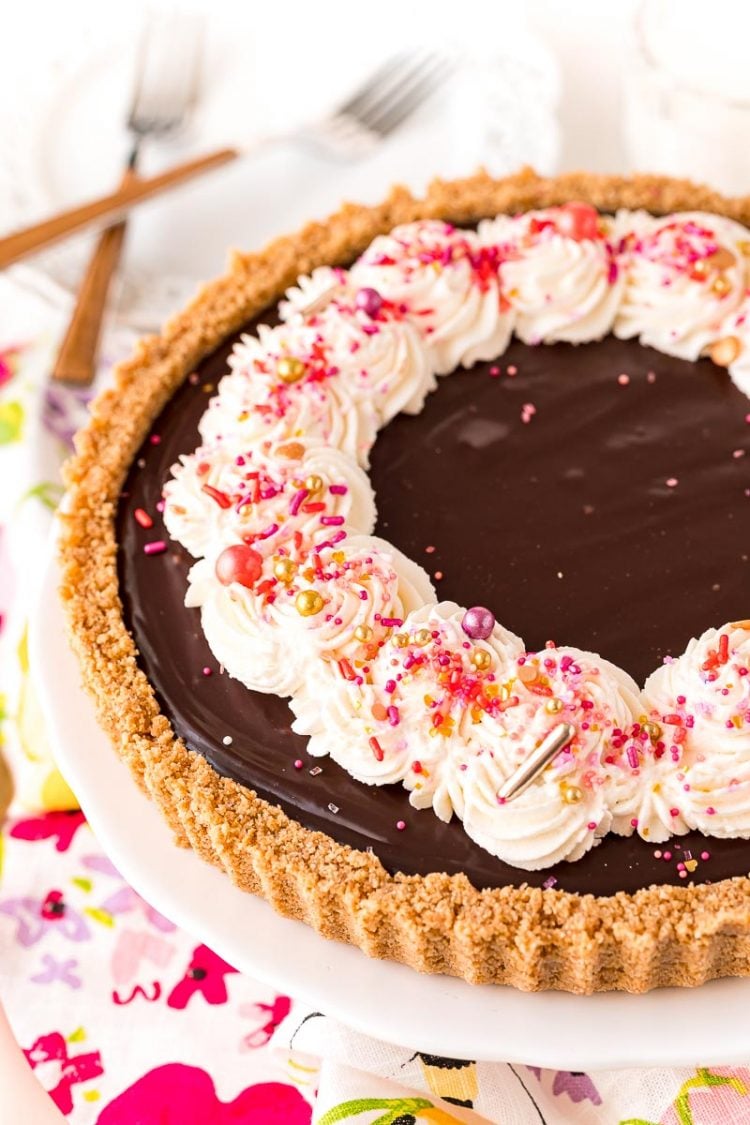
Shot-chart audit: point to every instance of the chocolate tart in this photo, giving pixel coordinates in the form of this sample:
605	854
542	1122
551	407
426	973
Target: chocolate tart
219	760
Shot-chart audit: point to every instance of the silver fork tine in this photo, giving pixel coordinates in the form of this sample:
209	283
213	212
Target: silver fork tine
372	84
399	102
381	92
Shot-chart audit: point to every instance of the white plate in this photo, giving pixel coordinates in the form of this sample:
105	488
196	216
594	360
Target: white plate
671	1027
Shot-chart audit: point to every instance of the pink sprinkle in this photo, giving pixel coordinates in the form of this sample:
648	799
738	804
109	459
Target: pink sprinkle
705	855
429	550
338	489
438	575
390	686
156	547
623	379
206	671
672	482
711	811
161	505
297	501
298	764
737	453
528	410
155	439
634	822
683	874
332	521
391	622
393	716
747	419
667	856
143	518
512	369
401	825
549	883
651	377
274	527
674	812
592	825
633	760
657	854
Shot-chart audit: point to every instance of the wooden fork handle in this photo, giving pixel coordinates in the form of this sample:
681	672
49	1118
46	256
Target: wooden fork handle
76	359
31	239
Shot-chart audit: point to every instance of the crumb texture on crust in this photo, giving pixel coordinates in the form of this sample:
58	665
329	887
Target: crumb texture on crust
529	938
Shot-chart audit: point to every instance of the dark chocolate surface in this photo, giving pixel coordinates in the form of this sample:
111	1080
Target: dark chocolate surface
564	526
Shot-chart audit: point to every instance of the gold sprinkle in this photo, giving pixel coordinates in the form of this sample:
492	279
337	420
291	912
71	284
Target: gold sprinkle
422	637
571	794
314	483
290	369
363	633
653	730
400	640
527	673
722	259
721	285
293	450
725	351
308	603
553	706
285	569
481	659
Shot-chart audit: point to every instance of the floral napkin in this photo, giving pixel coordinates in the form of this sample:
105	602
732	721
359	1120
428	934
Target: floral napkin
126	1020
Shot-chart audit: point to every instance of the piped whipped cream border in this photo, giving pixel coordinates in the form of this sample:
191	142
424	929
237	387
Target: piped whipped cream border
298	598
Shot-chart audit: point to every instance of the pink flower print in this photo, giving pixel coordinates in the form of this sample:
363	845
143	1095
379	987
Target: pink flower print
204	974
61	825
35	920
271	1015
67	1071
577	1085
9	362
712	1097
58	971
175	1094
132	948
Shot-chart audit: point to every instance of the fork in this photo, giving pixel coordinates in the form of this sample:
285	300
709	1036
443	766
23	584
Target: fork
377	108
351	131
166	89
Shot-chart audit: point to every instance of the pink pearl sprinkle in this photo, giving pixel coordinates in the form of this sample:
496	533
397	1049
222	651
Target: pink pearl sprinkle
705	856
623	379
737	453
401	825
155	439
667	856
156	547
298	764
683	874
592	825
657	854
671	482
206	671
674	812
512	369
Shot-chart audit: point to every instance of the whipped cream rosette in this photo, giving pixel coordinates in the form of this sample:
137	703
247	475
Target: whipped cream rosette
271	494
284	383
684	275
302	618
313	291
701	700
406	715
560	272
380	355
569	806
447	281
732	348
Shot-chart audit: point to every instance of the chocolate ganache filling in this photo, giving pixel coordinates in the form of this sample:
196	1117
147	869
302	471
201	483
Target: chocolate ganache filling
596	495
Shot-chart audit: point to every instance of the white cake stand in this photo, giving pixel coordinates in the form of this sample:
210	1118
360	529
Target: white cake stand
439	1015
